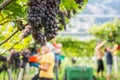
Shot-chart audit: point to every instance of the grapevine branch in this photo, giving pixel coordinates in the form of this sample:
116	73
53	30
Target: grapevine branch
7	22
12	20
12	35
4	4
27	25
5	18
9	37
11	47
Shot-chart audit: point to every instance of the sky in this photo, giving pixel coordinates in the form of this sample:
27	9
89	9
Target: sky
102	7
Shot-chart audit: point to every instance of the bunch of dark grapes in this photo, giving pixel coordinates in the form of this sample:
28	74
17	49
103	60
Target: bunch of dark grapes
68	14
42	17
62	18
15	58
25	55
49	21
3	58
79	1
26	32
74	11
3	67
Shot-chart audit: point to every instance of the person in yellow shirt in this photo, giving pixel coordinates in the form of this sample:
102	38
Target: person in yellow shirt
46	64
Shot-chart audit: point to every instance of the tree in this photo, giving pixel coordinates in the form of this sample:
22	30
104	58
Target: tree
74	47
109	31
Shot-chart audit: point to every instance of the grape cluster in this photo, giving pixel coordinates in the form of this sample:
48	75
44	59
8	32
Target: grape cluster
74	11
3	58
79	1
68	14
26	32
15	58
3	67
42	17
19	59
25	55
62	18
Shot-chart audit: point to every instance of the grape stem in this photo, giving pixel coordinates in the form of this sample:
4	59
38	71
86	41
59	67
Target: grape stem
4	4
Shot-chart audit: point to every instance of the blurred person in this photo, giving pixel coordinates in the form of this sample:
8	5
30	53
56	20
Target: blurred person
57	53
47	63
57	50
99	54
109	61
73	60
115	59
33	62
54	43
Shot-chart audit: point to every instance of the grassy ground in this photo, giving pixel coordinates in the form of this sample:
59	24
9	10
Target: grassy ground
80	62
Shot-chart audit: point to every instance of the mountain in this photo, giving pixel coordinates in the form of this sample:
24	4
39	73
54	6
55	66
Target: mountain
95	12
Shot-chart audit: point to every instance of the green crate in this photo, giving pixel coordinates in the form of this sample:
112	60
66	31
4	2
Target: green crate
79	73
